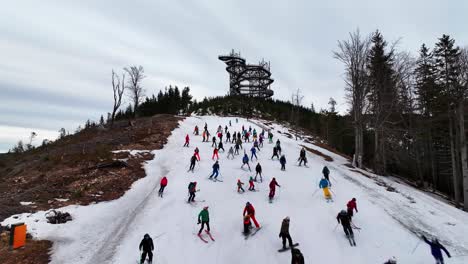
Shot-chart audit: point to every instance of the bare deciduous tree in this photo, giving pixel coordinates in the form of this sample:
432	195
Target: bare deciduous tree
353	54
136	91
118	87
462	100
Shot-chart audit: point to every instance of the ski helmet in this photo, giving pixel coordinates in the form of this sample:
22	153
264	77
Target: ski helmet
354	199
248	203
146	236
343	212
286	218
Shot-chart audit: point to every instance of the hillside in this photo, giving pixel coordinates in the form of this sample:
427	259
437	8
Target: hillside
391	214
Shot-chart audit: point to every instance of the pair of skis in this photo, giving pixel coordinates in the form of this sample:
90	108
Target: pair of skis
209	235
351	240
252	233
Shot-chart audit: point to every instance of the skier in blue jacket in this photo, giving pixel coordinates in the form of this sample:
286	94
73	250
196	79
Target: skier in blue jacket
215	170
253	150
436	250
245	161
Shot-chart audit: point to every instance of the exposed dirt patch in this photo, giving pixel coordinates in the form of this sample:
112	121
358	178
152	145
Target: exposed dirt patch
35	252
316	152
65	172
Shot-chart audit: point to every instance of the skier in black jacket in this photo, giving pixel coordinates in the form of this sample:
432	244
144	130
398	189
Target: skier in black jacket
297	257
147	245
345	221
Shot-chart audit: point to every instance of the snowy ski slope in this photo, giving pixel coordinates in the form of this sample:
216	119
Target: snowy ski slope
110	232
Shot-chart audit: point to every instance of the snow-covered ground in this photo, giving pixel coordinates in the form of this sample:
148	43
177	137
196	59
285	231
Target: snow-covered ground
110	232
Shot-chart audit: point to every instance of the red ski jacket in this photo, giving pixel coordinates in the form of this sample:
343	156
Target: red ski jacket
352	205
249	209
164	181
273	184
187	138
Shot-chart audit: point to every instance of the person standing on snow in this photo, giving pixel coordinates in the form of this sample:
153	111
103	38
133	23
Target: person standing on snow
351	207
297	257
215	170
231	152
147	246
204	219
237	149
302	157
284	233
251	184
253	150
245	161
220	146
326	172
214	142
163	185
215	153
275	153
197	153
258	171
256	145
204	136
324	184
283	163
270	137
273	185
345	220
260	140
239	186
278	146
187	139
193	159
436	250
192	189
228	137
239	142
195	131
250	210
225	129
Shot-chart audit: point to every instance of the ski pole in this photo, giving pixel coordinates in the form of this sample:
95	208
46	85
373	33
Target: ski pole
417	244
315	192
332	192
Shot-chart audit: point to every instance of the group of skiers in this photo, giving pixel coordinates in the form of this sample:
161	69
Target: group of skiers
344	217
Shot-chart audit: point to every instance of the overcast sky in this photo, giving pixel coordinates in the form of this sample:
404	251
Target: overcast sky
56	57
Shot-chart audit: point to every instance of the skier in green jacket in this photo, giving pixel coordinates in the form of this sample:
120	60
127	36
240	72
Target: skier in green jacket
204	218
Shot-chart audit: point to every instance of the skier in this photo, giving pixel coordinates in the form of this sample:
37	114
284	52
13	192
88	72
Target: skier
246	137
192	162
204	219
392	260
220	146
436	250
247	224
245	161
228	137
231	152
195	131
324	184
239	142
163	185
351	207
297	257
345	221
187	139
258	171
230	123
197	153
215	170
206	127
234	137
326	172
239	186
220	135
192	189
302	157
253	150
260	140
283	162
251	184
237	149
278	146
225	129
215	153
270	137
214	142
284	233
275	153
250	210
204	136
273	185
147	246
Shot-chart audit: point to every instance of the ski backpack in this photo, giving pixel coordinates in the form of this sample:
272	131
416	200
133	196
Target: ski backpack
190	186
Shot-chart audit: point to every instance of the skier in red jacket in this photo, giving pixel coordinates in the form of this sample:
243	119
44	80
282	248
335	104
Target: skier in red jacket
215	153
273	185
163	185
250	210
187	139
351	207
